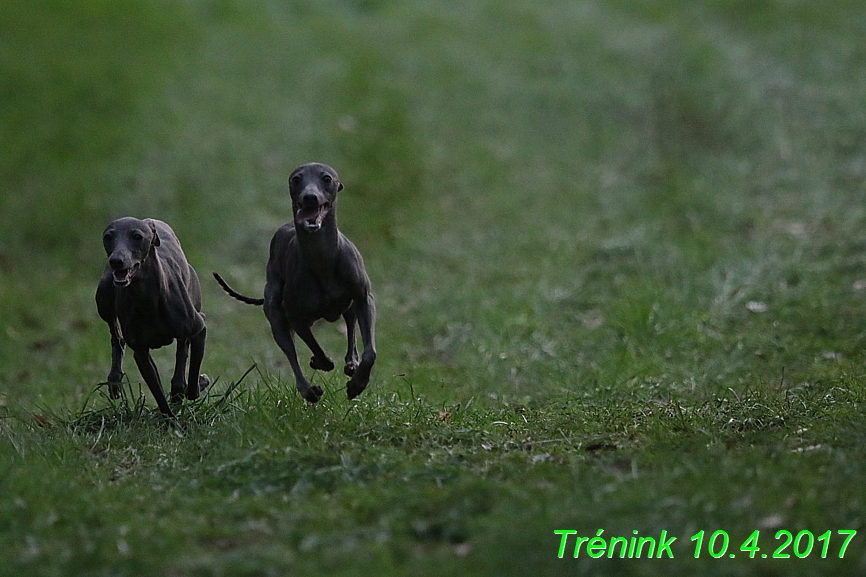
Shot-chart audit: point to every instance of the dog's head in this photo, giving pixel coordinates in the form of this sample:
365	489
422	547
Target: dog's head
128	241
314	189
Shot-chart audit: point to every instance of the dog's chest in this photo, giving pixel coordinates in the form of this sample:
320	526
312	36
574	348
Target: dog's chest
144	327
310	299
145	322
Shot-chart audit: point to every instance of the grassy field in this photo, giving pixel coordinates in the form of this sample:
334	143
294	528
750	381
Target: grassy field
617	250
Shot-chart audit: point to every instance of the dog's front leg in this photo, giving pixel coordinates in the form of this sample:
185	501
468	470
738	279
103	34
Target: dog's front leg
366	312
351	352
115	374
320	359
150	374
284	336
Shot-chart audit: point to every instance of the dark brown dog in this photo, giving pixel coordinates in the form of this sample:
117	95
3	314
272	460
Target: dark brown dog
314	272
150	296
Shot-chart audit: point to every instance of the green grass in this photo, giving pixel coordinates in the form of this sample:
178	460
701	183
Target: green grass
616	249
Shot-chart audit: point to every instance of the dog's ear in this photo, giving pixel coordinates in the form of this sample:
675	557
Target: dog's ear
339	186
152	225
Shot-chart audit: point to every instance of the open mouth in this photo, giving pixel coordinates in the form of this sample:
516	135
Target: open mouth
310	217
122	277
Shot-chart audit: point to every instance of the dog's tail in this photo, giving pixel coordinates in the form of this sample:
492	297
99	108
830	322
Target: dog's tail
234	294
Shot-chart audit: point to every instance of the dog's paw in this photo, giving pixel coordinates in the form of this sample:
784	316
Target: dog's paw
312	394
350	368
193	390
114	383
355	387
322	363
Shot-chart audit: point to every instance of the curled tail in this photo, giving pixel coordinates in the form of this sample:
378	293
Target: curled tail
234	294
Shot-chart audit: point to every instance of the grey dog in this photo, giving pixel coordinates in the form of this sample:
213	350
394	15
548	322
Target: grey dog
314	272
150	296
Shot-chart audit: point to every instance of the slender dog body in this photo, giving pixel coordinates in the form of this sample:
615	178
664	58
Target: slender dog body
314	272
149	296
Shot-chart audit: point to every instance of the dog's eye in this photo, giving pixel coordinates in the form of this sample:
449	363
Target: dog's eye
296	180
137	235
106	237
326	178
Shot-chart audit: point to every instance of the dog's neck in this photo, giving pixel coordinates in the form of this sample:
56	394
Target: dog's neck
149	275
320	247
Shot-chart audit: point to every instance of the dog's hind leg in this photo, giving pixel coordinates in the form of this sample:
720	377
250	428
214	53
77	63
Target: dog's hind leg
366	312
178	379
197	382
150	374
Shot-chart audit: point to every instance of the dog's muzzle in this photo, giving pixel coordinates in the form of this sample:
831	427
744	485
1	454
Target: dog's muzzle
310	218
123	276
